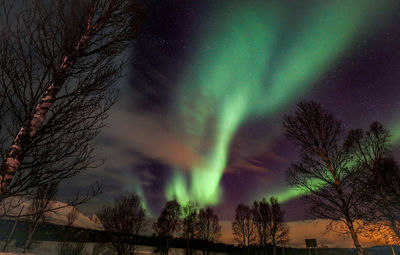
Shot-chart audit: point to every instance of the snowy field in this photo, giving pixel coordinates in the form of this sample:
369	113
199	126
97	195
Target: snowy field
50	248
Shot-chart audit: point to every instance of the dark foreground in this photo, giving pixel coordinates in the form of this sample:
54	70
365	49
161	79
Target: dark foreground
47	236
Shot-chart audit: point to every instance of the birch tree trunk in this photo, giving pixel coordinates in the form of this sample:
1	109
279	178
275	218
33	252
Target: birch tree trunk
27	132
59	61
12	231
323	171
29	240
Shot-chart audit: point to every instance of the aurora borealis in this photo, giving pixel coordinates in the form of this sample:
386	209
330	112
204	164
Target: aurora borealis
245	74
201	108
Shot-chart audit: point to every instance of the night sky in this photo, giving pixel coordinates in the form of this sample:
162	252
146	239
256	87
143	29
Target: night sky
203	99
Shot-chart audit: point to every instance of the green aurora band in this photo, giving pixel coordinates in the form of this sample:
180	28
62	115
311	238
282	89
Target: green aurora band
253	65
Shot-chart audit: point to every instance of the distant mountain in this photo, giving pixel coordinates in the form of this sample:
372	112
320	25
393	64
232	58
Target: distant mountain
13	206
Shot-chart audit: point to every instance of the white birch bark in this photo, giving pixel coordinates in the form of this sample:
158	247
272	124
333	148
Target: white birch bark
27	132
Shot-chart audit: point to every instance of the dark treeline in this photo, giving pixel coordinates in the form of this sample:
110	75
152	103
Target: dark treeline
256	228
188	227
261	225
50	232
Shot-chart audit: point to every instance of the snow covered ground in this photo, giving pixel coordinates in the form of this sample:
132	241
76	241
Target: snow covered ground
50	248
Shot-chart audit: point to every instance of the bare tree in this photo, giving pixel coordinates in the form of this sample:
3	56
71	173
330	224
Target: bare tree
39	205
379	176
126	217
269	223
279	231
323	168
168	223
190	225
59	60
262	221
243	227
209	227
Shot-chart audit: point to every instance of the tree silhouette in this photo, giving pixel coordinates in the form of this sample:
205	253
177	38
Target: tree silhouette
269	223
323	170
59	61
279	231
190	225
379	177
209	228
126	217
243	227
262	220
167	224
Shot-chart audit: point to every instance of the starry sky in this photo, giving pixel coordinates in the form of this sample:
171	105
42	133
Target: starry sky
204	95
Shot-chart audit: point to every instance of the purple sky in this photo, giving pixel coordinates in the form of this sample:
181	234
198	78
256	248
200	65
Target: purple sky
142	149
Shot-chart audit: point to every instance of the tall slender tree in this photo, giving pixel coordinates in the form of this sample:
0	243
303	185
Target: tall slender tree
190	224
269	223
59	60
209	227
323	171
279	231
243	227
262	221
167	225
